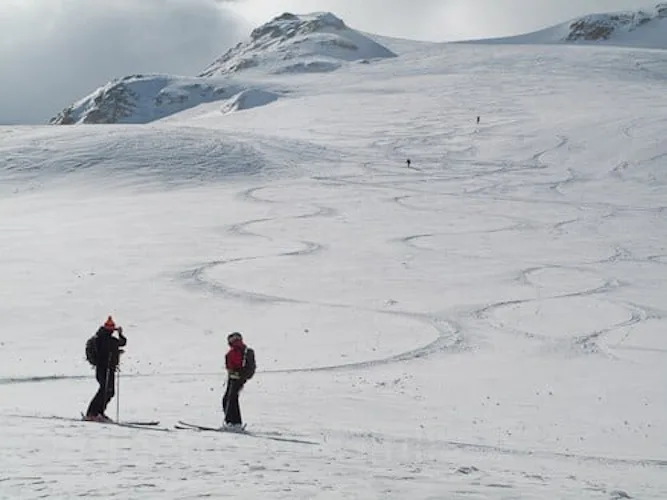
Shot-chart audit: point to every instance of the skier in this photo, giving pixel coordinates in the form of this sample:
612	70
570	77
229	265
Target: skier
240	364
408	162
107	357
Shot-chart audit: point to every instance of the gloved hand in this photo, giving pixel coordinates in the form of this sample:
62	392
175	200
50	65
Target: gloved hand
119	329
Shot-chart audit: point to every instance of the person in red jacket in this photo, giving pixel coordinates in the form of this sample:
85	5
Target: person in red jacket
240	364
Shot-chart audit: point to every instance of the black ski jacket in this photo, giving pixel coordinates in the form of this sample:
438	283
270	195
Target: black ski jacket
108	348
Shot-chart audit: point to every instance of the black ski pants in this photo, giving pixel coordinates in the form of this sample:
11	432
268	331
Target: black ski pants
106	378
230	401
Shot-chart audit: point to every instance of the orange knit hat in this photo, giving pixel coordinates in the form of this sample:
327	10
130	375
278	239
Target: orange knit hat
109	324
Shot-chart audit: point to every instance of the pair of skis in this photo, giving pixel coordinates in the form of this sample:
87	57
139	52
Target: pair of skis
132	424
242	430
187	426
150	426
181	425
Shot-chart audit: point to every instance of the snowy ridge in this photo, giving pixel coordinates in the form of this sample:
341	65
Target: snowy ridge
643	29
291	43
145	98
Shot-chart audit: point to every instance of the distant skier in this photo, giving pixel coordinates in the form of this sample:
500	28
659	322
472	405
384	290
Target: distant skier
103	351
240	364
408	162
478	118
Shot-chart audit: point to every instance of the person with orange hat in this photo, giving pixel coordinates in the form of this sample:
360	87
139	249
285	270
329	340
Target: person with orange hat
107	350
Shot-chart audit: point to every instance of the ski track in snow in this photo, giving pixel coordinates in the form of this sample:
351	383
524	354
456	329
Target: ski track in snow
448	336
585	341
481	448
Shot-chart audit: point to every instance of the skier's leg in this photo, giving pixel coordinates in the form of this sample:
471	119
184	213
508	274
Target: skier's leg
233	415
96	405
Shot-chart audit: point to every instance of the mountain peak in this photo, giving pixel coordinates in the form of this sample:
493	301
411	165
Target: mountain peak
640	28
288	25
290	43
597	27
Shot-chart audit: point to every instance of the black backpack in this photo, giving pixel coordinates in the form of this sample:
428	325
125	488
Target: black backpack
249	365
91	350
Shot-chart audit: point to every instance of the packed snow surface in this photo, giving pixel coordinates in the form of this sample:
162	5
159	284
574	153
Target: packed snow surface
488	323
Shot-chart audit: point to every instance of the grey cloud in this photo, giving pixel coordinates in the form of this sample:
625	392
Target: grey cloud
53	52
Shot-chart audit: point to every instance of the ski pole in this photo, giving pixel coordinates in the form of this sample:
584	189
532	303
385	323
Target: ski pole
118	396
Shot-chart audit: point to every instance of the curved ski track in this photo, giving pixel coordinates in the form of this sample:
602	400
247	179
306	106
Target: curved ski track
405	179
448	334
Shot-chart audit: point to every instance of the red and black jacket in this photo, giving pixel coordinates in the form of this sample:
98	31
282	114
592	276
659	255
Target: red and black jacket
240	362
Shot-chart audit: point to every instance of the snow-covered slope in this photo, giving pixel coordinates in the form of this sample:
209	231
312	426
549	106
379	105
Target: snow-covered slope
645	29
291	43
288	44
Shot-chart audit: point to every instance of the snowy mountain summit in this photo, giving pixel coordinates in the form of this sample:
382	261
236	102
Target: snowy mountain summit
299	43
142	99
645	29
606	26
288	44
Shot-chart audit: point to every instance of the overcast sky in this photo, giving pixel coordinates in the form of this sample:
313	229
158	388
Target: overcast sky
53	52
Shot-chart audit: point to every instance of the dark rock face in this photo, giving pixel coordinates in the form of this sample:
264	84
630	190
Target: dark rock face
603	27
